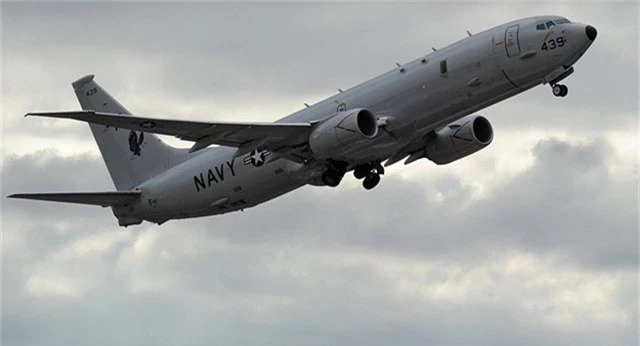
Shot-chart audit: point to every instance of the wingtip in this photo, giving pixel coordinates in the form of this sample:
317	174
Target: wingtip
34	114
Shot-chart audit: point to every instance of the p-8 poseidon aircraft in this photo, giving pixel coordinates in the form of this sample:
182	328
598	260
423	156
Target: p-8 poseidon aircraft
423	109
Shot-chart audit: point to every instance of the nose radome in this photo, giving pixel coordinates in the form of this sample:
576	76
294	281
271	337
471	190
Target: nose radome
591	32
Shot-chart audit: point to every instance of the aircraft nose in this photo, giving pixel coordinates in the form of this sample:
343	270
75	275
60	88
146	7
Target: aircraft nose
591	32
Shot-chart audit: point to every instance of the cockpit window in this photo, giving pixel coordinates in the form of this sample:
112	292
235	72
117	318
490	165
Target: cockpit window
551	23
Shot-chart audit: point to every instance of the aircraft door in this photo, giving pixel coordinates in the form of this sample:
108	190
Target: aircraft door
511	40
507	52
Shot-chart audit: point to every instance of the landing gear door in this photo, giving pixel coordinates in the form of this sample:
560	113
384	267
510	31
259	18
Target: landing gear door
511	42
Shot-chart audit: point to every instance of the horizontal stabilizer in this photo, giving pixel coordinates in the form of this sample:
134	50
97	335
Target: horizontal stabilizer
104	199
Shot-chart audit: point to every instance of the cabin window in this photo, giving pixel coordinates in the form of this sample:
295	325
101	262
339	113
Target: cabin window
540	27
550	24
443	67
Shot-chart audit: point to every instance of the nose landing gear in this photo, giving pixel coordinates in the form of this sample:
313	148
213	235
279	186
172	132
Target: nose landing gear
370	172
559	90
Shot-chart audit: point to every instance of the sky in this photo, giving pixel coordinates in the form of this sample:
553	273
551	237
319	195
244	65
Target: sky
531	241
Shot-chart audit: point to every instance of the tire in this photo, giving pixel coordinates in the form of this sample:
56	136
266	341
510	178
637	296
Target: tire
564	91
361	171
330	178
371	181
557	90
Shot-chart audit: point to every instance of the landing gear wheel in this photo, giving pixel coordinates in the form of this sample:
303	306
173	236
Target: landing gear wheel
565	90
334	173
371	181
560	90
331	178
361	171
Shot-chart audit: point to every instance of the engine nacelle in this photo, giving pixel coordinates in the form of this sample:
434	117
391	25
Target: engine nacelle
344	132
461	138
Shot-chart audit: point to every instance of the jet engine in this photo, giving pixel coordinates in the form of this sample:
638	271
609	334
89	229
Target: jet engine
343	133
461	138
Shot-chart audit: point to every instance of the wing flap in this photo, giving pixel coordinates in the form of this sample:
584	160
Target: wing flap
274	135
103	199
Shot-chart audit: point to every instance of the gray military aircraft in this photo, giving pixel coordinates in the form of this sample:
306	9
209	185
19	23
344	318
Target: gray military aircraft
423	109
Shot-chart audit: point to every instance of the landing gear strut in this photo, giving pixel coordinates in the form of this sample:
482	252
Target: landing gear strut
370	172
559	90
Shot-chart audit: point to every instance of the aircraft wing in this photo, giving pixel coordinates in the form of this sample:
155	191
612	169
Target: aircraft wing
103	199
245	136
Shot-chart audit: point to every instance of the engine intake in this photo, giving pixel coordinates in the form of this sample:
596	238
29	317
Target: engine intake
461	138
342	133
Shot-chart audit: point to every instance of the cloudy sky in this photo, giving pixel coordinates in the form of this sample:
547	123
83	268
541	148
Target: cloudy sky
532	241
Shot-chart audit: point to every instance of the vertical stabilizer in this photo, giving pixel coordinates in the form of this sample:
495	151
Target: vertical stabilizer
132	157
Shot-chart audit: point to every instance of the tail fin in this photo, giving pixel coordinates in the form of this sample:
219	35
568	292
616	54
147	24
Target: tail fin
131	157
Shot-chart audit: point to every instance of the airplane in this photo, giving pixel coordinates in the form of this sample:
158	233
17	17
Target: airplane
423	109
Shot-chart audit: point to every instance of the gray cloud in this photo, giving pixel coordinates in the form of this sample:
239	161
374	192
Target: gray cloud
329	269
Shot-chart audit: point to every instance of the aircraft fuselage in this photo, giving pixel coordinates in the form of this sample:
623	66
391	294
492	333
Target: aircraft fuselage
413	100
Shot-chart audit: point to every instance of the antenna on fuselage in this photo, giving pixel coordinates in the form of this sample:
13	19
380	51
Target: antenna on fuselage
468	33
434	49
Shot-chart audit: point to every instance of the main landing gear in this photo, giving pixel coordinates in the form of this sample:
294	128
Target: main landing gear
334	173
559	90
370	173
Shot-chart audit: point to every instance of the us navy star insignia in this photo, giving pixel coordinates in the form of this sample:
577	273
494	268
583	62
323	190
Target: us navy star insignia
257	157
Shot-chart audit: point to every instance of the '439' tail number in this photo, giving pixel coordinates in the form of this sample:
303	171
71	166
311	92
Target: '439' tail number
554	43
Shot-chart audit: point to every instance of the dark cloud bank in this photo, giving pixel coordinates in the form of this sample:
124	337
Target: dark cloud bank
309	268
